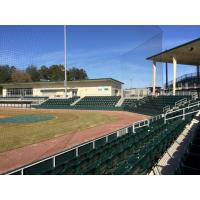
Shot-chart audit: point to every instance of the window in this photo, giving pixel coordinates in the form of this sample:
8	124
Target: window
19	92
106	89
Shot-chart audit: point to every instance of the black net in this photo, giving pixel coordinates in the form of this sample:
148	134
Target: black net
117	52
124	59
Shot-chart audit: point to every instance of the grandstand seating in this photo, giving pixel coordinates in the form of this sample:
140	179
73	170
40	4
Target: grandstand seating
132	153
58	103
128	101
148	105
88	103
135	152
153	105
190	163
98	102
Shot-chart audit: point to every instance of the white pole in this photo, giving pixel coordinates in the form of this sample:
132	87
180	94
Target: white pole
174	75
154	79
65	65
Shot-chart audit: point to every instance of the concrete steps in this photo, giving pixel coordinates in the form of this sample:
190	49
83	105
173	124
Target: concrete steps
75	102
119	103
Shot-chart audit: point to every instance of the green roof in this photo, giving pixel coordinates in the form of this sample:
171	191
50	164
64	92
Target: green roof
53	82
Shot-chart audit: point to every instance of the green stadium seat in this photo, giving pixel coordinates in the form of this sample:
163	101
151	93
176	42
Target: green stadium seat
58	103
65	157
132	153
98	102
39	168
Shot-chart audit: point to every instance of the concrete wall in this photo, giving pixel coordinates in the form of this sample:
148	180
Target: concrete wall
81	91
95	91
50	92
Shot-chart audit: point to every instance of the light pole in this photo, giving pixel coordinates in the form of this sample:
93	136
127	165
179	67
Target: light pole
65	56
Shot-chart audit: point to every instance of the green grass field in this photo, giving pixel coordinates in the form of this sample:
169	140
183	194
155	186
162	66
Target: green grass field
15	135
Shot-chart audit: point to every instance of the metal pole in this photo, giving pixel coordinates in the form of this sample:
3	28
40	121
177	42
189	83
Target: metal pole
154	79
183	113
166	76
65	55
174	75
133	128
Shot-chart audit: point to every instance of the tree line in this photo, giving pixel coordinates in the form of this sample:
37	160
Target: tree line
43	73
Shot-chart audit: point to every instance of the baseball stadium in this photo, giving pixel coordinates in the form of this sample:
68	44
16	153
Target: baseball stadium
129	113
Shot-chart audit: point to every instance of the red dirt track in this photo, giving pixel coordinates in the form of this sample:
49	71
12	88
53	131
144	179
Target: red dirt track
17	158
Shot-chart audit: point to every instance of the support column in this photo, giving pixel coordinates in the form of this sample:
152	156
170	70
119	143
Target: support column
174	75
154	79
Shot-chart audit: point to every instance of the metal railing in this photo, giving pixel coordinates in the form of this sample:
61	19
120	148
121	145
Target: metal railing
183	112
119	133
178	93
194	96
181	102
177	104
166	108
180	78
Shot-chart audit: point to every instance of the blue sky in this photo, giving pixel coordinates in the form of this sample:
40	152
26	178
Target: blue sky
103	51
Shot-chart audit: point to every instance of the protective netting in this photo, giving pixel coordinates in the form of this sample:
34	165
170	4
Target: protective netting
117	52
21	46
121	56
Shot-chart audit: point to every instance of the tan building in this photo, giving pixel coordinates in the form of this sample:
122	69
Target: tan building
90	87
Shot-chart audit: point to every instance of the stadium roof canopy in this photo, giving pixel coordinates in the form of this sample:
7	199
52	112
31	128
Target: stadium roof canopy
188	54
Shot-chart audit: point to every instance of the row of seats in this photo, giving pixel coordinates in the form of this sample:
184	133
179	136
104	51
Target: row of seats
86	103
132	153
190	163
153	105
148	105
58	103
127	102
98	101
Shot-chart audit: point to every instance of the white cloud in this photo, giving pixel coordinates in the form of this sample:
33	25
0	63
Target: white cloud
50	58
